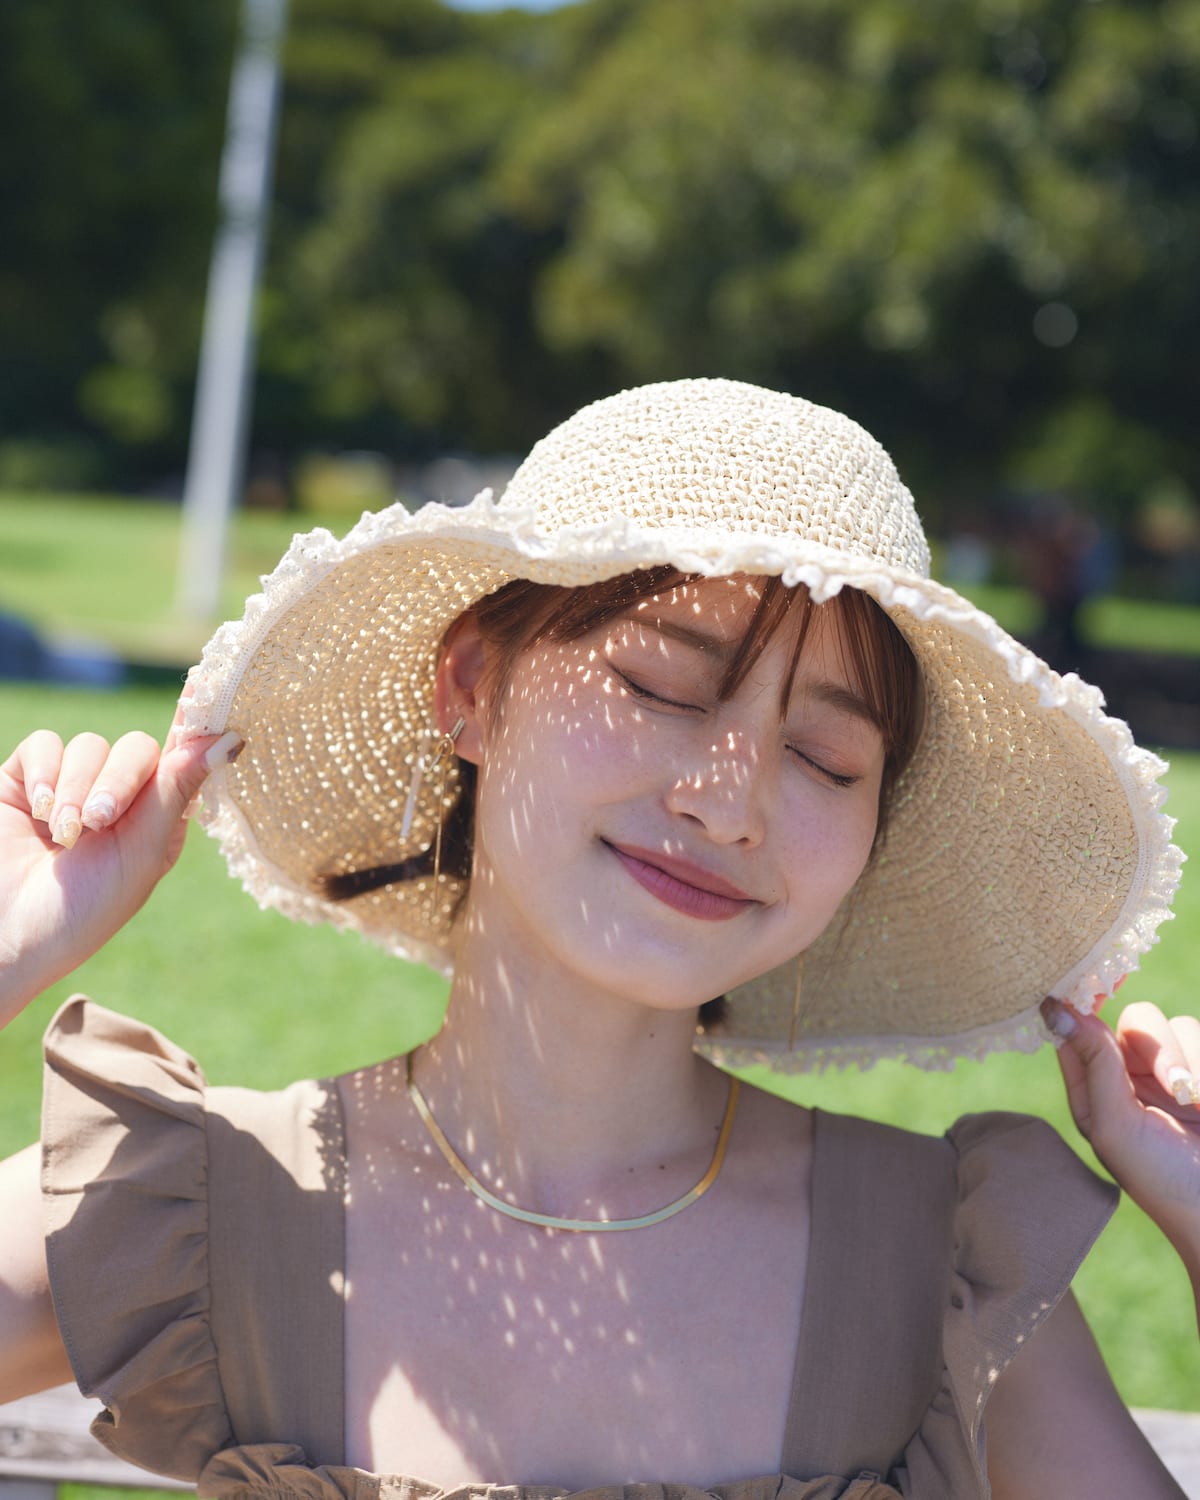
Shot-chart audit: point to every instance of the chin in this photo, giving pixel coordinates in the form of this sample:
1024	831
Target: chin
659	985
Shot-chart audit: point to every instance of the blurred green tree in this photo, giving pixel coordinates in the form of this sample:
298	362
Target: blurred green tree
111	117
968	222
958	219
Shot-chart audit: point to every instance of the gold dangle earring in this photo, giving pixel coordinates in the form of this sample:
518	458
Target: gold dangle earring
441	760
445	749
792	1034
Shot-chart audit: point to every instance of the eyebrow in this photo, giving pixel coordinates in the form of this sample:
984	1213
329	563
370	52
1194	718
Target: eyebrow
845	699
833	694
719	646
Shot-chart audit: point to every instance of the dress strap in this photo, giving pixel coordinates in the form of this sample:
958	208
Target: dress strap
869	1357
277	1254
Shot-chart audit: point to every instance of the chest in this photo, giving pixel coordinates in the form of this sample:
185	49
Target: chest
477	1346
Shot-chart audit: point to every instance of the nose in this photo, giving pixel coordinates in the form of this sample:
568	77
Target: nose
724	790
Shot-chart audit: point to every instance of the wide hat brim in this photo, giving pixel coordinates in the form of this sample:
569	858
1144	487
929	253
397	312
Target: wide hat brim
1027	853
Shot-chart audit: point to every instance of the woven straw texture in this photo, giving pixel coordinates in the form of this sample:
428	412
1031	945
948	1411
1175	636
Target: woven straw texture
1027	854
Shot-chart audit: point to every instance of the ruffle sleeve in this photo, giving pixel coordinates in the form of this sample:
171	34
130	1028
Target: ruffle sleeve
125	1193
1027	1213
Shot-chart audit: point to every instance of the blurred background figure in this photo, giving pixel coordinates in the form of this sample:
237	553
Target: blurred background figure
1067	559
22	655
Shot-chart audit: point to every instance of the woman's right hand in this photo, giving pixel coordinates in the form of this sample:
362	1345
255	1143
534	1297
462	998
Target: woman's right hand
86	833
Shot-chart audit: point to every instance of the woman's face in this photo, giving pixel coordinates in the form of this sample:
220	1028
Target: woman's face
652	839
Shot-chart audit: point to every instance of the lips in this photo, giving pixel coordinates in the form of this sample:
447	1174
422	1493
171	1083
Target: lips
683	886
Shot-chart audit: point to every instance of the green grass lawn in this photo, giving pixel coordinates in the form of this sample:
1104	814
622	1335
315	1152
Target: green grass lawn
261	1001
105	569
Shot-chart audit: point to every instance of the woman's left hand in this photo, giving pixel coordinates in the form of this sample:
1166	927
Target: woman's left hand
1135	1095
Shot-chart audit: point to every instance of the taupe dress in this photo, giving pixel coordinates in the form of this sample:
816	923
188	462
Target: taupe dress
195	1244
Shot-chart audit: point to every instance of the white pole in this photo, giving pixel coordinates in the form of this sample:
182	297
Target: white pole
220	417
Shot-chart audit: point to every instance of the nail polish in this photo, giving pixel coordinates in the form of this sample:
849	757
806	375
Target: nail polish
224	750
99	810
1184	1085
43	802
1057	1017
67	827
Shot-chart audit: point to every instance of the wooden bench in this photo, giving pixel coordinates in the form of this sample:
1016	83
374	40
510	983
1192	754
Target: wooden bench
44	1442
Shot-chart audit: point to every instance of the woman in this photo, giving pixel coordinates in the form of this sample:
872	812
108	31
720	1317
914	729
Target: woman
680	723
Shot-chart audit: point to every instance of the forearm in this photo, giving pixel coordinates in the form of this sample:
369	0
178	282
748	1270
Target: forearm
32	1356
1189	1253
18	984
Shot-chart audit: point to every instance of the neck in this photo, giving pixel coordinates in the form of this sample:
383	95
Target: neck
568	1099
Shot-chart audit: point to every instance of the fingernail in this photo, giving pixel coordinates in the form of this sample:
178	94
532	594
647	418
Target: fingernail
99	810
224	750
67	827
1184	1085
1056	1015
43	802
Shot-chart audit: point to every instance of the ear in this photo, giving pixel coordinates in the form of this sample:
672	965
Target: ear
458	687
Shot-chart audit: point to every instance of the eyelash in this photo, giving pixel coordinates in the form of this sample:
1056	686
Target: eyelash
639	691
649	696
832	776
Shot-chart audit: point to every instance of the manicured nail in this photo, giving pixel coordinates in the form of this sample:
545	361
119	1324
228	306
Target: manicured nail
222	751
67	827
1059	1019
1184	1085
99	810
43	802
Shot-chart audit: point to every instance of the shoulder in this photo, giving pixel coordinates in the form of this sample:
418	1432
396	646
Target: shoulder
125	1190
1002	1153
181	1220
116	1089
944	1254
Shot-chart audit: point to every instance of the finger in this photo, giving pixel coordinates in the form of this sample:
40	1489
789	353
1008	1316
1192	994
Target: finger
129	765
33	766
182	772
1099	1089
1154	1049
189	689
82	758
1187	1031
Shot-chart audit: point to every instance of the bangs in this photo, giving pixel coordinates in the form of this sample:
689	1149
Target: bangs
876	657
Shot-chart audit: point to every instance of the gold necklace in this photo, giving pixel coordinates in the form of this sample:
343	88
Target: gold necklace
551	1221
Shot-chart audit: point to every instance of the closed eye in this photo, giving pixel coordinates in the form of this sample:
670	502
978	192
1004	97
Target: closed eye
648	695
835	778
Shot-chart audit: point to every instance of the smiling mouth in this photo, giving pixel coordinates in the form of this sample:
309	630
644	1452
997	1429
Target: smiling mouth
681	886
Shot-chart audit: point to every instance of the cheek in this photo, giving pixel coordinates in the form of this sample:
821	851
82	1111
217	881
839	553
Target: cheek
552	752
829	842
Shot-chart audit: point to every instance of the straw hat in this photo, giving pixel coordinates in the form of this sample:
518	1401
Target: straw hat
1026	855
